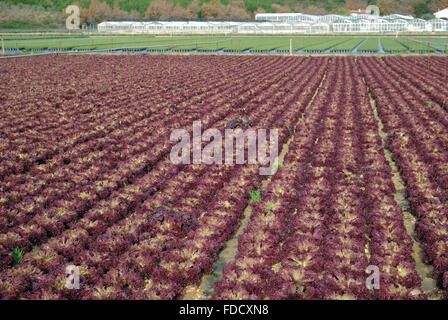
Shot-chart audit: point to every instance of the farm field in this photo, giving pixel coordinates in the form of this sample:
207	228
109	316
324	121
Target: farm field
304	44
370	45
86	177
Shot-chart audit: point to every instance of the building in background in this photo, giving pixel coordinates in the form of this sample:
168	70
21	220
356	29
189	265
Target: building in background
442	14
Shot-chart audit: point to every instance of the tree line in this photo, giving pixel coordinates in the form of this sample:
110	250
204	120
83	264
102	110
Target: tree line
96	11
99	11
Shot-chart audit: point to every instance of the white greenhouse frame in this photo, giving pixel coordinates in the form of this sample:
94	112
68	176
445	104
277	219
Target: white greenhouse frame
287	23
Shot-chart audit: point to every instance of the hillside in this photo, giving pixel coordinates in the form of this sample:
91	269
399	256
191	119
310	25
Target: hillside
49	13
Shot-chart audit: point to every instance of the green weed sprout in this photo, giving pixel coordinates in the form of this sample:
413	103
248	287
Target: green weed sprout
18	255
254	195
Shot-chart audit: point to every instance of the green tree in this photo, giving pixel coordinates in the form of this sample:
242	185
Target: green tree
421	9
342	11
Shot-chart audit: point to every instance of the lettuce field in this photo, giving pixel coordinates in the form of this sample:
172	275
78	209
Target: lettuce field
360	189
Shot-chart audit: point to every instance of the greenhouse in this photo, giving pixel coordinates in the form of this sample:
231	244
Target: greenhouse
439	25
288	23
419	25
286	17
371	26
213	27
